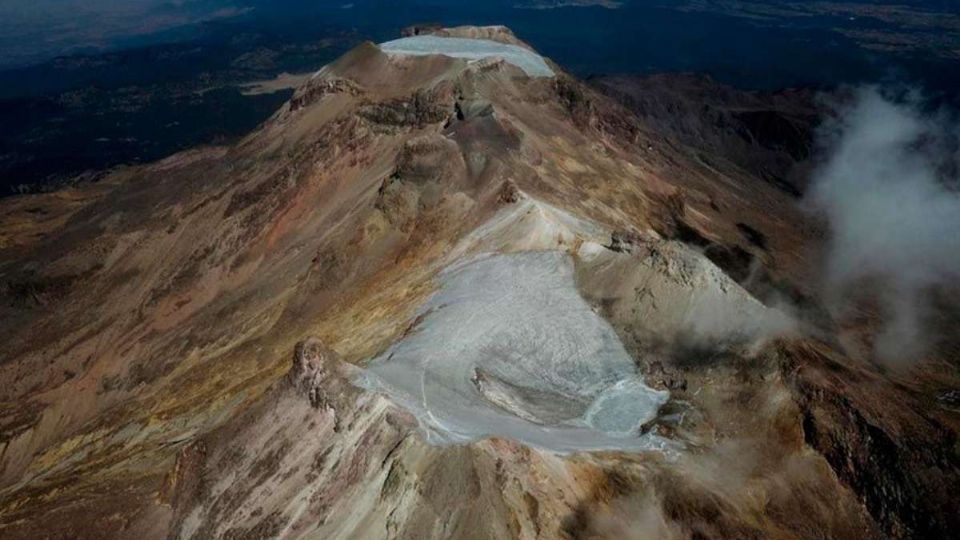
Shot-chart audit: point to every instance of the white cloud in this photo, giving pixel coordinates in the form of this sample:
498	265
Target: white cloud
893	215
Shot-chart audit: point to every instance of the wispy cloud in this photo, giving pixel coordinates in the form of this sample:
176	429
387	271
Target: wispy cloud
888	191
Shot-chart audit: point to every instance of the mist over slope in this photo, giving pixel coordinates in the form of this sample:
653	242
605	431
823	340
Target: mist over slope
889	190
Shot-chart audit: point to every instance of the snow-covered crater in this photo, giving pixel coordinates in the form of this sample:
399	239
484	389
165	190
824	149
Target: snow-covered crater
472	49
507	347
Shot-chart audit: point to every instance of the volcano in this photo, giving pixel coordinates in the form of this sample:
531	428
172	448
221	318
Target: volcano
450	291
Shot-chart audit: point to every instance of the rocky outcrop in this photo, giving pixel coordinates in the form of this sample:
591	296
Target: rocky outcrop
497	33
624	241
319	87
318	374
416	111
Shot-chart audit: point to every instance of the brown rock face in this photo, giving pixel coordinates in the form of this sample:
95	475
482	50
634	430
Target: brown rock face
902	460
316	89
316	372
146	383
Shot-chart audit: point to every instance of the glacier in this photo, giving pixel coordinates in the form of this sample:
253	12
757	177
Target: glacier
471	49
507	347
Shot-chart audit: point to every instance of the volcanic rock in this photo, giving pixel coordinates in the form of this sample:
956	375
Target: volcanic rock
533	313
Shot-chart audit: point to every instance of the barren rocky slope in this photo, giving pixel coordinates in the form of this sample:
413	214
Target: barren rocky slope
769	134
150	320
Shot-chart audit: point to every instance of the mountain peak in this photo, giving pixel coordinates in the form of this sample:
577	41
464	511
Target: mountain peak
514	308
422	59
498	33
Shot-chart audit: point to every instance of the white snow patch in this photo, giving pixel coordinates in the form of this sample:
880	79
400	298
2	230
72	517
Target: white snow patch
507	347
471	49
529	225
589	251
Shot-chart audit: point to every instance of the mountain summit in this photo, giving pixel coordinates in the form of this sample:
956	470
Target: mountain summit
446	291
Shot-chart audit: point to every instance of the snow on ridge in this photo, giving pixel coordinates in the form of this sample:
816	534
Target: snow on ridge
471	49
